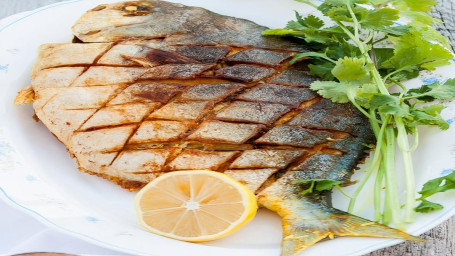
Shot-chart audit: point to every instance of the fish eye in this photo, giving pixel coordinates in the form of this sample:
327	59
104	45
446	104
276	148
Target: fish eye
137	8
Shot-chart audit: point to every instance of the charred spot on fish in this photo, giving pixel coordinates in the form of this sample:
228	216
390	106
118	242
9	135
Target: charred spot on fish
137	8
154	57
159	96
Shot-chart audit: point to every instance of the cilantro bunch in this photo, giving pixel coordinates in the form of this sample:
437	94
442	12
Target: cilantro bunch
348	56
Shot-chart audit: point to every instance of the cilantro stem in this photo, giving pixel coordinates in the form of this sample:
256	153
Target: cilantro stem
342	191
393	73
393	203
354	19
351	96
377	192
379	82
403	144
415	144
415	96
374	165
370	37
403	88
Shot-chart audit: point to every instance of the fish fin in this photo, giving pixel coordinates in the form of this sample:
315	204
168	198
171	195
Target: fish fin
298	237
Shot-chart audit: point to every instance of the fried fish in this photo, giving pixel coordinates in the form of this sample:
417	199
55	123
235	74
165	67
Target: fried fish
150	87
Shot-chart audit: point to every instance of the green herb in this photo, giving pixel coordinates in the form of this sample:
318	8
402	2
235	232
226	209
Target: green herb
320	185
427	206
432	187
346	53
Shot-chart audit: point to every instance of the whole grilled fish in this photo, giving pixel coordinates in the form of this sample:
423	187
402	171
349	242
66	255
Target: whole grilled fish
150	87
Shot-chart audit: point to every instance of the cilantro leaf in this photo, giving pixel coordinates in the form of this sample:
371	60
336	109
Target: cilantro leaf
438	185
395	30
389	105
433	91
313	21
283	32
342	49
341	13
429	33
351	69
377	18
428	115
419	17
413	5
378	2
432	187
318	184
382	55
299	19
326	184
308	190
344	2
405	75
337	92
301	23
295	25
303	55
412	52
322	69
427	206
326	36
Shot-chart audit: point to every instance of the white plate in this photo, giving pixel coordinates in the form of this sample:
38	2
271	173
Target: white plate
38	176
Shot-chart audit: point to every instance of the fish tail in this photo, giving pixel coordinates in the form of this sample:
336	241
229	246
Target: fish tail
298	235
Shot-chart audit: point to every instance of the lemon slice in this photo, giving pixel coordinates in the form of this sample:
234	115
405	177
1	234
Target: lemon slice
194	206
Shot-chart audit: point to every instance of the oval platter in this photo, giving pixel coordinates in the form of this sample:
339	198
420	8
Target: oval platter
38	176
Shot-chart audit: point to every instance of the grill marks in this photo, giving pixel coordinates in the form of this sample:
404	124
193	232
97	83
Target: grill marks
166	110
259	56
273	93
244	73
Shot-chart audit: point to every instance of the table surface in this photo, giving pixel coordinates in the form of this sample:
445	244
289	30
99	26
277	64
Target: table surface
440	240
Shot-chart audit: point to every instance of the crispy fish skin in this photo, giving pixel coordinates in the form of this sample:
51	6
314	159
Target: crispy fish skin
173	23
164	87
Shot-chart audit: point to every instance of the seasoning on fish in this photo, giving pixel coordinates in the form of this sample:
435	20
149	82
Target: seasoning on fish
155	87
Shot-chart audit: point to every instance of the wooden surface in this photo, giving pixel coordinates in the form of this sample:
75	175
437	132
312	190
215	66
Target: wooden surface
441	239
